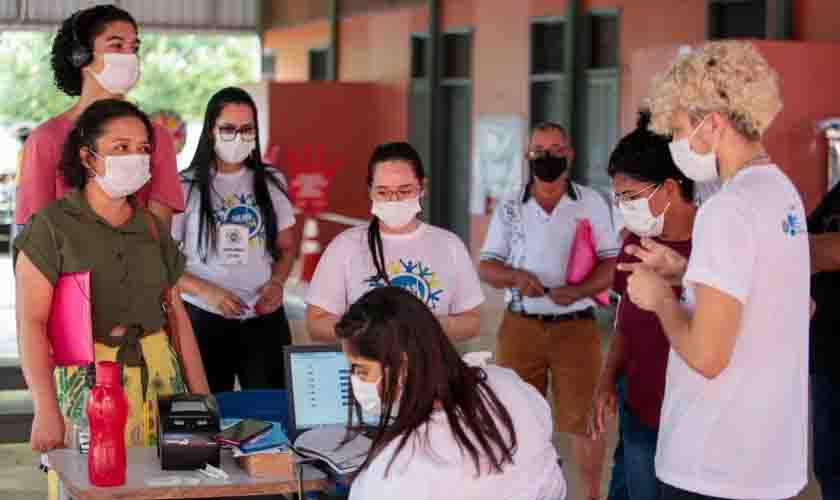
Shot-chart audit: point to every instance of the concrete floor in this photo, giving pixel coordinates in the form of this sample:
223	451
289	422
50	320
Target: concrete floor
20	479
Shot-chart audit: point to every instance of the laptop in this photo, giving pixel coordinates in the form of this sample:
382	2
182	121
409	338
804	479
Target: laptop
318	381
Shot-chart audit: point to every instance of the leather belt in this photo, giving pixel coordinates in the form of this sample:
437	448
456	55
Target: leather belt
588	313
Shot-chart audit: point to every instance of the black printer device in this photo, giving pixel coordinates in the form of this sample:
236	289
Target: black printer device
187	429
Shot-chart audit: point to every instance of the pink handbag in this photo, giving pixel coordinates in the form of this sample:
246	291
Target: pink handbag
69	327
583	259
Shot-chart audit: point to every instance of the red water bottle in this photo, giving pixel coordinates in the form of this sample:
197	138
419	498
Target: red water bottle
107	411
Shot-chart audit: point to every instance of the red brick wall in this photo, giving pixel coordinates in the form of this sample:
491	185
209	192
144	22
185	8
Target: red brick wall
376	47
291	47
816	20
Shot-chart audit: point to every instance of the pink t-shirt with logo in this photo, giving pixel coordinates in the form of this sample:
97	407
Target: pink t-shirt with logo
40	182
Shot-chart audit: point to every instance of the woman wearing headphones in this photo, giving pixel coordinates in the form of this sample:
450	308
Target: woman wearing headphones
94	57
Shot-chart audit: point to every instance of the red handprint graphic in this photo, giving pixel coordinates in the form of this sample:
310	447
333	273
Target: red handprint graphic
310	170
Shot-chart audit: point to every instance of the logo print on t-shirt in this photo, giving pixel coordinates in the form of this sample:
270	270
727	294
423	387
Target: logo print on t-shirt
791	224
233	236
414	277
241	209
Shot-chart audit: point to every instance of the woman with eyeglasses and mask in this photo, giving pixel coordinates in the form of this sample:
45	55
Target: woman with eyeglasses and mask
734	419
237	233
396	249
656	201
94	57
132	260
445	429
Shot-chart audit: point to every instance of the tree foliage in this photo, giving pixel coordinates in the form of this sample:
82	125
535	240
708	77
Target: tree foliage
178	73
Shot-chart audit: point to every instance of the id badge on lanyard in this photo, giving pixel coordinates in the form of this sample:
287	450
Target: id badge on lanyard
233	244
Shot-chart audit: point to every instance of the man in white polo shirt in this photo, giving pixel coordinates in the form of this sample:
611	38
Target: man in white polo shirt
550	325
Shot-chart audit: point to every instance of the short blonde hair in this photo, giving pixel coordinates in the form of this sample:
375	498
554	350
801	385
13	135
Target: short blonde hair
728	77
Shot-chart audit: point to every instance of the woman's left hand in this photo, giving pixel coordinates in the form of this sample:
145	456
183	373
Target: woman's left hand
647	289
271	297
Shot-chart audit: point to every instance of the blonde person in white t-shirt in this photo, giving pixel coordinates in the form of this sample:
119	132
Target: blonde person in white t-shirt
237	234
396	249
446	429
734	420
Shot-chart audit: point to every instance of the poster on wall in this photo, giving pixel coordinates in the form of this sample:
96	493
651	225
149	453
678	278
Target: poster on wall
497	161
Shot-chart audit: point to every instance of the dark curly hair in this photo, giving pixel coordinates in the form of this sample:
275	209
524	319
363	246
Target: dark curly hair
90	127
89	24
644	156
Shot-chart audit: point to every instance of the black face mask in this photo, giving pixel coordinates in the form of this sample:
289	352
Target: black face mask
548	168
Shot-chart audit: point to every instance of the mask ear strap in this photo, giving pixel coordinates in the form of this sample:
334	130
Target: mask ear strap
91	171
665	210
669	199
658	187
694	132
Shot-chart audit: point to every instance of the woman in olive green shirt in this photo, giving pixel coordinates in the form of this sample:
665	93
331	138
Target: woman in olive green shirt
96	228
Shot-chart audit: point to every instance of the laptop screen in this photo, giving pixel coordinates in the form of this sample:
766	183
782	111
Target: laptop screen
319	387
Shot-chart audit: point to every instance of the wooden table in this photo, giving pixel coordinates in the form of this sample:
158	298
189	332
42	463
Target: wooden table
143	464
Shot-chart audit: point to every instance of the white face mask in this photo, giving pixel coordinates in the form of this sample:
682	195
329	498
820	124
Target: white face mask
639	218
396	214
367	394
120	73
234	151
124	175
697	167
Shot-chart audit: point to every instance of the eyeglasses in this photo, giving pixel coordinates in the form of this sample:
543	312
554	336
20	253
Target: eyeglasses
625	197
401	193
366	374
229	132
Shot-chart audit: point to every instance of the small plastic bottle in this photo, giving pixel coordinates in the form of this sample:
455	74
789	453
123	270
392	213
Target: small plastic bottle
107	412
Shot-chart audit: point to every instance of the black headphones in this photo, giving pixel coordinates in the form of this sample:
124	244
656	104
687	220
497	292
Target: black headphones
80	55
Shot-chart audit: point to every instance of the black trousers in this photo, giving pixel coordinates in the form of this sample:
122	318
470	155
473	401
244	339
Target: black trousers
251	349
669	492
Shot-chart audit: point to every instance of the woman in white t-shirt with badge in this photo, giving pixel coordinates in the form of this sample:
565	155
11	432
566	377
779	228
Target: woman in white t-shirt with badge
445	429
396	249
236	232
734	422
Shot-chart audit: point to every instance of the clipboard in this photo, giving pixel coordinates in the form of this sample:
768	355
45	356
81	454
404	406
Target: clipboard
583	258
70	326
